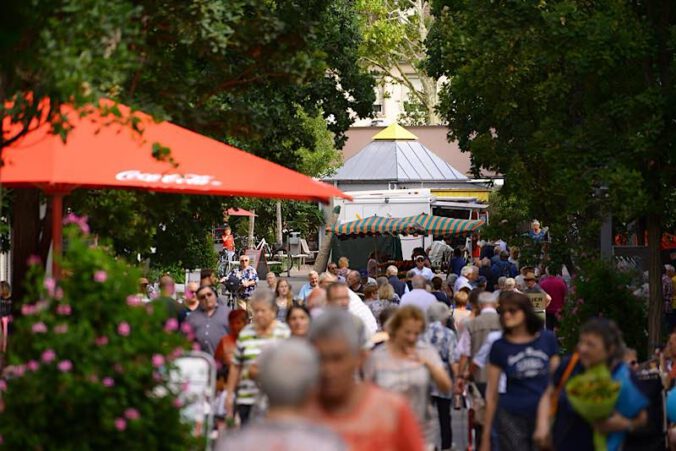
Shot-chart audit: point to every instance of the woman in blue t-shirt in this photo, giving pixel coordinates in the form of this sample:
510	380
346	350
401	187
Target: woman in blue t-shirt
600	342
526	355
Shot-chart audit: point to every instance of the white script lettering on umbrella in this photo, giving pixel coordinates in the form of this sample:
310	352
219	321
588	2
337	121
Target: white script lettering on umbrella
175	179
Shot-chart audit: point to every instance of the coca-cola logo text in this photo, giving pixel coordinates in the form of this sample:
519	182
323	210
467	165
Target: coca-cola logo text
170	179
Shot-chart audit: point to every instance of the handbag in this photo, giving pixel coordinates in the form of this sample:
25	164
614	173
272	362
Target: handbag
554	400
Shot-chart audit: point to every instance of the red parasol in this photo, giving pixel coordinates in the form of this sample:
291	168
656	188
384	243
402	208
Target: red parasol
239	212
102	153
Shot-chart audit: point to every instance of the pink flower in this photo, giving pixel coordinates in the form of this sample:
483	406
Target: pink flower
185	386
196	347
3	385
28	309
41	305
132	414
186	328
48	356
16	370
100	276
58	294
65	366
39	328
61	328
133	300
32	365
63	309
158	360
171	325
176	353
50	285
574	311
177	403
108	382
124	329
120	424
80	221
34	260
93	378
101	341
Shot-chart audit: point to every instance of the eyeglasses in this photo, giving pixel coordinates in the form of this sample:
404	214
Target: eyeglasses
203	297
510	310
244	260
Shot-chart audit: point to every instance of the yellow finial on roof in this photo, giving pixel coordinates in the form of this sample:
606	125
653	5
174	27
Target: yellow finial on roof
395	132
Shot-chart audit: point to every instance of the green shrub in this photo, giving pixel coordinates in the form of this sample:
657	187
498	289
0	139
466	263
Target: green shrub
602	290
87	360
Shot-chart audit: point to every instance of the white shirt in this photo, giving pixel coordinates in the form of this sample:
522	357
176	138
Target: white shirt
460	283
481	358
426	272
419	298
464	346
361	310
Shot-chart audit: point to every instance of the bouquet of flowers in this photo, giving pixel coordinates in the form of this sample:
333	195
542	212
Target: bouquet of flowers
593	396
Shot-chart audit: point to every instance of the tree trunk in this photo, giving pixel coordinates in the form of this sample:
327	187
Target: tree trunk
325	249
25	237
280	236
655	299
252	221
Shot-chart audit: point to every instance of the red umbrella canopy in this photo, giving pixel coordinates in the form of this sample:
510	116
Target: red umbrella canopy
239	212
103	153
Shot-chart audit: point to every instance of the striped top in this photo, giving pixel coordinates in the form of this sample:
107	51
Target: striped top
248	347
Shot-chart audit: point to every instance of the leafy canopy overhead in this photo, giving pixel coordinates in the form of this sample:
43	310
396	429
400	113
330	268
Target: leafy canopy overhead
253	73
562	98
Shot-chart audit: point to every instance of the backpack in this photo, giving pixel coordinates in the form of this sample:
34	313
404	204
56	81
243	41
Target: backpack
232	284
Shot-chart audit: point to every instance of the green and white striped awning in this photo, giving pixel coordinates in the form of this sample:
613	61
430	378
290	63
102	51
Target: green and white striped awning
440	225
377	225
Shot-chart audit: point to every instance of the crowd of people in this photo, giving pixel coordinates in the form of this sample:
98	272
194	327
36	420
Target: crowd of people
380	360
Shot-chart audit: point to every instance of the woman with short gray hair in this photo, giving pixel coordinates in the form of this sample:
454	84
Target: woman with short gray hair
264	331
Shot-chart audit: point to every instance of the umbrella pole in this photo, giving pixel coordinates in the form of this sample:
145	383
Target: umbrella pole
57	233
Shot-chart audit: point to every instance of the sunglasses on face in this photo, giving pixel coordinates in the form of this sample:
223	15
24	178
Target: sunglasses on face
510	310
204	297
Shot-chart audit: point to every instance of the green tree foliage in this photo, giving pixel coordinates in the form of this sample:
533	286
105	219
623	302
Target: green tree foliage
395	32
248	72
603	291
565	98
89	365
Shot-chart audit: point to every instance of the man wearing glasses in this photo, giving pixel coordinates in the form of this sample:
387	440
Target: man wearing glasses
247	277
209	323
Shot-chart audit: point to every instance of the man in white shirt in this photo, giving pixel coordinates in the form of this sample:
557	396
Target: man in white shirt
312	283
418	296
465	279
422	270
338	295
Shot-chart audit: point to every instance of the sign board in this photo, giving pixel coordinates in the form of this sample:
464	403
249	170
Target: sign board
538	299
258	261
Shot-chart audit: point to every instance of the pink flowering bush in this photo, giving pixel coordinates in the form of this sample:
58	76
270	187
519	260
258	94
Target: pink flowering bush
85	365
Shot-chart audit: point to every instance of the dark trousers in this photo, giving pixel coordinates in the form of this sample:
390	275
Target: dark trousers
244	413
479	429
444	410
551	322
